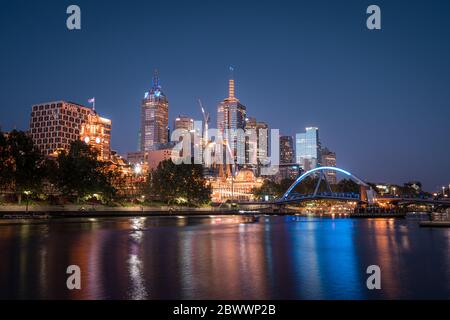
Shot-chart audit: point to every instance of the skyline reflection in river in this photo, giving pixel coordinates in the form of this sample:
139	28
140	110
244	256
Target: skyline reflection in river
224	258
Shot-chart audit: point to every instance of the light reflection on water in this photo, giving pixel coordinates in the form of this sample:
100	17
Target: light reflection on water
224	258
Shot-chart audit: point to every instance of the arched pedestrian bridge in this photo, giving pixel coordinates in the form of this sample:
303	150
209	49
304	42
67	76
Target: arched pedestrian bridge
366	194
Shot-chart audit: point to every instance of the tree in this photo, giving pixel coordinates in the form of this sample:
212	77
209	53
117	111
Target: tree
173	183
347	185
276	190
268	188
22	164
79	173
4	162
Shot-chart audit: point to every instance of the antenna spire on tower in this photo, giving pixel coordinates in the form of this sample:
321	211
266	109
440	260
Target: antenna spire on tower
156	79
231	84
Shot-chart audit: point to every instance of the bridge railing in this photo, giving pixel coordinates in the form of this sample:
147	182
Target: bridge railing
349	195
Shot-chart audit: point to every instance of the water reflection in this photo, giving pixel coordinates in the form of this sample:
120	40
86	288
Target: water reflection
137	289
224	258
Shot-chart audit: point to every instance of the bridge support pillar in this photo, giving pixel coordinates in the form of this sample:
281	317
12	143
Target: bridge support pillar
363	194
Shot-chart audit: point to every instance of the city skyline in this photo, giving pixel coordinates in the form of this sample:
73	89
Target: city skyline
362	120
224	158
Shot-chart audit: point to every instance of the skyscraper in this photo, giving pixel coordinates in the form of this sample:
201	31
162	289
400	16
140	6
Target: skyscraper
187	124
183	122
308	148
231	116
328	159
286	149
287	169
154	118
256	143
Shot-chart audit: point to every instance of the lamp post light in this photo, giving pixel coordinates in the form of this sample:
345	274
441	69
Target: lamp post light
138	169
27	193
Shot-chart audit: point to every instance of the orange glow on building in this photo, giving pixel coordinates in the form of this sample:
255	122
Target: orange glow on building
96	132
238	188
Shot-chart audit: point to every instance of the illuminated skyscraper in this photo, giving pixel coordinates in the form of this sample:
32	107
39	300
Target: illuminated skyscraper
286	149
256	140
328	159
154	118
231	116
183	122
187	124
308	148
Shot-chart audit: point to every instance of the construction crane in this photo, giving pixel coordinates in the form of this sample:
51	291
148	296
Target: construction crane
206	123
207	143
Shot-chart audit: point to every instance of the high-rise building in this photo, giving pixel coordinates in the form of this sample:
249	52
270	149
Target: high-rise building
183	122
328	159
55	125
253	141
187	124
231	115
308	148
96	132
154	118
287	169
286	149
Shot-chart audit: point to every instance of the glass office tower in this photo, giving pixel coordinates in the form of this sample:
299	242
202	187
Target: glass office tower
308	148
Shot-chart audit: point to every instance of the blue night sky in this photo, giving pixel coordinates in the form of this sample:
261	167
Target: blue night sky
380	98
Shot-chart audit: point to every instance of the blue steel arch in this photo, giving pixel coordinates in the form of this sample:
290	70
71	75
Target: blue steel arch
306	174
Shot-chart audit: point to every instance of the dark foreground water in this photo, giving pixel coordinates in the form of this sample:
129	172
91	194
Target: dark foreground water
224	258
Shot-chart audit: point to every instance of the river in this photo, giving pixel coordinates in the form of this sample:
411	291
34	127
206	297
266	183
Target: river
224	257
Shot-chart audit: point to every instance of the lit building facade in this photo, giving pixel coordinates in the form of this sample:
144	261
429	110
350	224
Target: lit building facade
148	160
328	159
231	115
239	188
308	148
154	118
135	158
154	157
183	122
55	125
96	132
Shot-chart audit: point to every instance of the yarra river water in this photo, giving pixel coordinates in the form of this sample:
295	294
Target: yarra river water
219	257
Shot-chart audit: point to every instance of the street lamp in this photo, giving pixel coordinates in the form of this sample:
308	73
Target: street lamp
27	193
138	169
